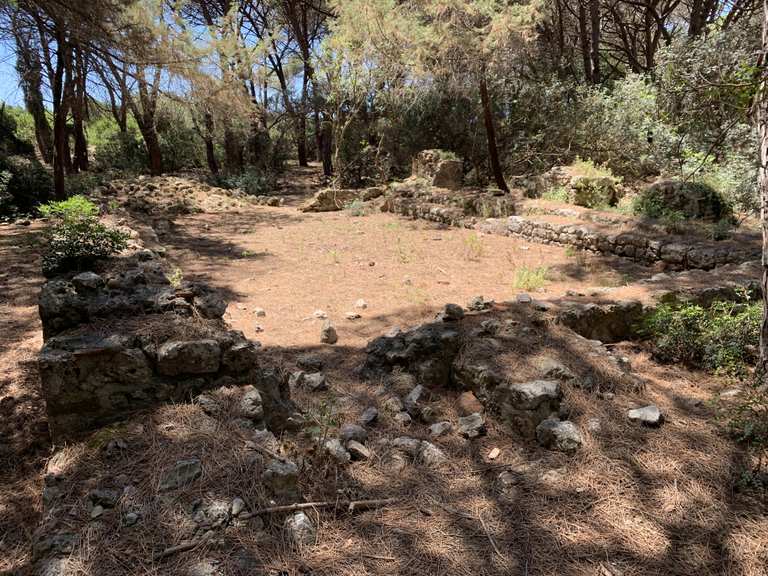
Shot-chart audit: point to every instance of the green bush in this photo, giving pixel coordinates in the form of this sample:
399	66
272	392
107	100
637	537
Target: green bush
77	239
721	338
27	183
746	419
253	182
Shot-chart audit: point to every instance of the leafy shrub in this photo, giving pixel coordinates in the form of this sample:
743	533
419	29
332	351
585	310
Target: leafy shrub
27	183
122	151
746	419
556	194
77	238
531	278
667	198
252	181
720	338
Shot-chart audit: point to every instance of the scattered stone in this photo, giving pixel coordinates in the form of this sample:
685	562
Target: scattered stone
490	326
559	435
328	333
337	451
358	451
182	473
551	368
97	511
361	304
428	414
472	426
524	298
468	403
258	328
403	418
281	477
353	432
431	455
130	519
729	394
524	405
352	316
104	497
411	401
320	314
260	312
310	362
369	416
478	304
440	429
647	415
251	405
238	505
87	281
410	446
494	453
316	381
450	313
299	529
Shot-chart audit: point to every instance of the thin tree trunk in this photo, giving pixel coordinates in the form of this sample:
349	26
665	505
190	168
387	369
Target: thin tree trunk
60	144
594	15
210	153
490	130
78	112
762	125
586	53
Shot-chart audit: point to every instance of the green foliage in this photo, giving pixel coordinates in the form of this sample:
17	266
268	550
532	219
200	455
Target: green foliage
556	194
473	247
27	183
720	338
121	151
746	419
356	208
76	238
531	278
253	181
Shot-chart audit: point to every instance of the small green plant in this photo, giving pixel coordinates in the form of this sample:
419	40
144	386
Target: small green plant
176	277
531	278
722	229
673	221
473	247
76	238
334	254
556	194
720	338
746	420
403	254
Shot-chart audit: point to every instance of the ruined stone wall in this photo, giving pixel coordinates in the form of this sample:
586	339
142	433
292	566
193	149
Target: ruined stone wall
125	340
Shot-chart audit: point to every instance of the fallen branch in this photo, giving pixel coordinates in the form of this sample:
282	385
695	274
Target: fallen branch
351	505
185	546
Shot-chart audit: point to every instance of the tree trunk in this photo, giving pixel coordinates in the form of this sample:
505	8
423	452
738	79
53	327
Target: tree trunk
594	15
30	73
60	144
325	146
762	125
154	151
490	130
210	153
586	53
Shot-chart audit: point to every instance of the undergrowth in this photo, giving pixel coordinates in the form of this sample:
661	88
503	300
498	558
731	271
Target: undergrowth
531	278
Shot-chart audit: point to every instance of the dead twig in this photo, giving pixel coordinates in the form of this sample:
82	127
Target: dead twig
351	505
185	546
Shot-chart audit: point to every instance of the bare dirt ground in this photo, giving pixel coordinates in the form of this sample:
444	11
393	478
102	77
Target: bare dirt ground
634	501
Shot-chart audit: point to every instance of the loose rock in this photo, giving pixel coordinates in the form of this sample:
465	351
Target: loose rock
352	432
328	334
647	415
369	416
281	477
563	436
440	429
182	473
299	529
472	426
431	455
337	451
358	451
467	404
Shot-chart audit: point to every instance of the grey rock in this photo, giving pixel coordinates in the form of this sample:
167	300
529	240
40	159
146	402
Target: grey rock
594	425
369	416
238	505
299	529
337	451
531	395
440	429
479	303
358	451
316	381
551	368
189	357
260	312
87	281
208	404
320	314
403	418
411	401
647	415
241	357
281	477
353	432
130	519
431	456
352	316
182	473
450	313
410	446
104	497
361	304
524	298
96	512
251	404
328	334
563	436
310	362
472	426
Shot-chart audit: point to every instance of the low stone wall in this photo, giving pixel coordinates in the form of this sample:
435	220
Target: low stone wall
452	208
126	340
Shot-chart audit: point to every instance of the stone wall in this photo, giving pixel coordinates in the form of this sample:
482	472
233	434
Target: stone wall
126	340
